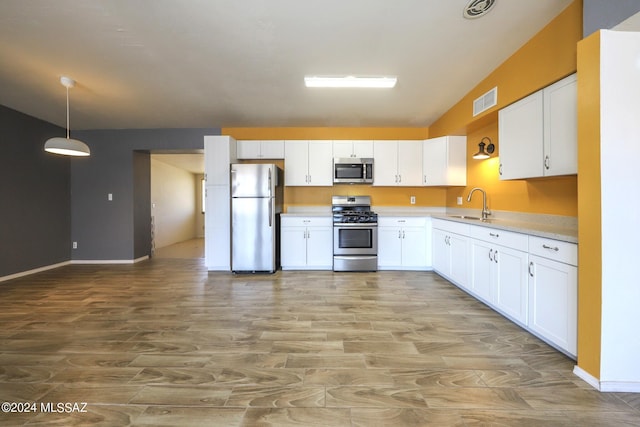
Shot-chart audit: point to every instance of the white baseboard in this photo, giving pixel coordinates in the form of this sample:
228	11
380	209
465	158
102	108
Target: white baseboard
77	261
109	261
607	386
587	377
620	386
33	271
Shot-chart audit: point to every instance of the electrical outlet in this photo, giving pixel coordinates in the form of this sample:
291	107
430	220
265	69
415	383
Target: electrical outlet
110	196
75	245
459	200
413	200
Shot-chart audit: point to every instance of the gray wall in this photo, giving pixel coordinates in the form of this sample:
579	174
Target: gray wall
120	165
35	198
606	14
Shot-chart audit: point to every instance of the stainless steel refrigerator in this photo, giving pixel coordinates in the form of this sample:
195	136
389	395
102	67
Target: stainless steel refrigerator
256	204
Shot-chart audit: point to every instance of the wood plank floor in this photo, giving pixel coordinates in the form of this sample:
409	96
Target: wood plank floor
165	343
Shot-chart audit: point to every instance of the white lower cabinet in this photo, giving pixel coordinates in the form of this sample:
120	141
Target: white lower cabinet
403	243
217	235
553	293
499	277
306	243
450	251
531	280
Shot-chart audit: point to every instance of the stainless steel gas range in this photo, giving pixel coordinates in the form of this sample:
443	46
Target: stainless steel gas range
355	234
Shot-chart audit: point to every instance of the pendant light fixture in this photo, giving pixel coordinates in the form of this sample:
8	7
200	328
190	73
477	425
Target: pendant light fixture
67	146
482	154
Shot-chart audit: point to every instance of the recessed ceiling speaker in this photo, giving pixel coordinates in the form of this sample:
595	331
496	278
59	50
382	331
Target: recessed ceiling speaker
477	8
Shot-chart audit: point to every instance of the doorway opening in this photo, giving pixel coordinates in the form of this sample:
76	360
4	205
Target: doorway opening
177	208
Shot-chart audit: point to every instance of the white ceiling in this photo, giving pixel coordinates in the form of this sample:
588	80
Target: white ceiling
224	63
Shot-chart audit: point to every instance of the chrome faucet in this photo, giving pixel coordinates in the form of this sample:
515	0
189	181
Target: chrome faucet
485	210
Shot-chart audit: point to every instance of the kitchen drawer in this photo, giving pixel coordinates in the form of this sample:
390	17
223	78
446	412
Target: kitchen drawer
556	250
394	221
306	221
451	226
509	239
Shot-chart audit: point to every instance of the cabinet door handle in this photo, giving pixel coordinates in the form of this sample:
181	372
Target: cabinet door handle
495	257
490	254
309	179
553	248
500	169
546	162
531	268
496	235
399	178
403	234
399	234
424	179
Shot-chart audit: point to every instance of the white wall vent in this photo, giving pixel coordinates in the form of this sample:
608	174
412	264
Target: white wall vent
486	101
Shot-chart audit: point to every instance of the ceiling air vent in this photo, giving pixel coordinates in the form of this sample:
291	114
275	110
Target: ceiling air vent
477	8
486	101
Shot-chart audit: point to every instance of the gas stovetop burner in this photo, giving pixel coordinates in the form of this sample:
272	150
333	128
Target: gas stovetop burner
355	217
353	210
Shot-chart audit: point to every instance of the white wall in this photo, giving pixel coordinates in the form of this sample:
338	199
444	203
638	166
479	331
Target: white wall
620	150
174	205
199	215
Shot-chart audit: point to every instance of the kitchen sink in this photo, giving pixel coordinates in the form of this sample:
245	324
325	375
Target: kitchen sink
464	217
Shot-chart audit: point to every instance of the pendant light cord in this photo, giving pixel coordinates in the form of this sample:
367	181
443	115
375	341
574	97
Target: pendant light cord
67	112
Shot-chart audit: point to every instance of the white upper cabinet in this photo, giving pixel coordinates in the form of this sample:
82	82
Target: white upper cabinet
397	163
260	149
561	128
355	149
520	138
444	161
538	134
219	153
308	163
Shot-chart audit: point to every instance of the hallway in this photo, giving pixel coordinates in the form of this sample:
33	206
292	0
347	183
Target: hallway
193	248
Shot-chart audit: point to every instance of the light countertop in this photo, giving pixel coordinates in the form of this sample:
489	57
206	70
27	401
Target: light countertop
548	226
546	230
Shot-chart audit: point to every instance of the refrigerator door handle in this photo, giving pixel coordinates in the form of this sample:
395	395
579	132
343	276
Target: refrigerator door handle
270	195
270	211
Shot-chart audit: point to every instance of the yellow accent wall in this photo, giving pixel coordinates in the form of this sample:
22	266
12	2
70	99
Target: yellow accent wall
589	207
549	56
321	196
556	196
326	133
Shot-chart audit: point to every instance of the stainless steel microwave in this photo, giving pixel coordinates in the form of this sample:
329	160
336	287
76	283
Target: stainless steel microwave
352	170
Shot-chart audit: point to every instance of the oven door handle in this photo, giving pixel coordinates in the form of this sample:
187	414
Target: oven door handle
355	224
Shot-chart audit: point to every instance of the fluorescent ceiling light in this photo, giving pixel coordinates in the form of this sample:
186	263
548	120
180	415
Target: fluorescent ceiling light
351	81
